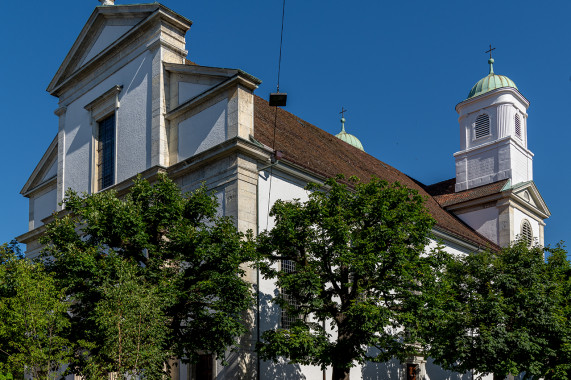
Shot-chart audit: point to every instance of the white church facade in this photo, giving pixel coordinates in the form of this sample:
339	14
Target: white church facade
131	103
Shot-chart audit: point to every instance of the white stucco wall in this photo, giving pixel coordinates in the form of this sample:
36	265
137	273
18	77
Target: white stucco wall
188	91
43	206
283	187
521	163
108	35
286	187
133	126
519	216
203	130
485	221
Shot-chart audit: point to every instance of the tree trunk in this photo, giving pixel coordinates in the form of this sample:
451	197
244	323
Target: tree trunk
340	373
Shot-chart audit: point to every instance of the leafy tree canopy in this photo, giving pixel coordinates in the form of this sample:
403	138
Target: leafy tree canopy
32	317
508	313
360	268
153	274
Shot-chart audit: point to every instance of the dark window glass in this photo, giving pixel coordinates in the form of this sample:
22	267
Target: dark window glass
411	371
204	368
106	152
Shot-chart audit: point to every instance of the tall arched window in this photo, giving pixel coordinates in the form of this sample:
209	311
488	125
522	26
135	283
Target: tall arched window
526	232
482	126
517	126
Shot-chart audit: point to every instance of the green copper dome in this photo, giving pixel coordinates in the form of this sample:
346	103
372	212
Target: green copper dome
490	82
349	138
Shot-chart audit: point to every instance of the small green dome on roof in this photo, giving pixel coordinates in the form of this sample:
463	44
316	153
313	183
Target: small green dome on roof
490	82
349	138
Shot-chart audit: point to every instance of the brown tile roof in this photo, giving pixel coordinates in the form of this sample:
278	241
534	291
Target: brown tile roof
443	192
323	154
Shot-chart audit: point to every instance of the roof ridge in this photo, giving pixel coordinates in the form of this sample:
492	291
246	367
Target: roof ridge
318	151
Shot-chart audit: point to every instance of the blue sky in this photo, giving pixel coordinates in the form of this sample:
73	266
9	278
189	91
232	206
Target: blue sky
399	67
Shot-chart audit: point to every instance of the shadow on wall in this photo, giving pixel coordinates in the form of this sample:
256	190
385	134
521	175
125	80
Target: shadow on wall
435	372
270	318
382	371
241	362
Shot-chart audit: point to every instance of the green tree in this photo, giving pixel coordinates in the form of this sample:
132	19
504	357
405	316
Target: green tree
506	314
359	266
558	356
131	322
32	318
108	250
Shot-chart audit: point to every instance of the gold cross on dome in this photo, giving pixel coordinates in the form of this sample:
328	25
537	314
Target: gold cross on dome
343	110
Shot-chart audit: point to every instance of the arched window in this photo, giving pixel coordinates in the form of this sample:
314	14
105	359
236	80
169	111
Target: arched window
482	126
526	232
517	126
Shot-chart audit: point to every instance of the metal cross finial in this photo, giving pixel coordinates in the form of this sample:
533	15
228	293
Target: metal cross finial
490	51
343	110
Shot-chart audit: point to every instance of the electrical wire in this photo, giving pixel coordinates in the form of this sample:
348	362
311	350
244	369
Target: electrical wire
281	44
276	115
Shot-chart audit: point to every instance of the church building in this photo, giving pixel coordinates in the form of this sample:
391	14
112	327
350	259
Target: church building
131	103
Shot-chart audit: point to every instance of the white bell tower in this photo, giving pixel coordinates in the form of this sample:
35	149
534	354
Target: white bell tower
493	134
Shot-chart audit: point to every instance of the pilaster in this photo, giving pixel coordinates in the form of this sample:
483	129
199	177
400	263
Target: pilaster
60	113
159	139
241	113
505	224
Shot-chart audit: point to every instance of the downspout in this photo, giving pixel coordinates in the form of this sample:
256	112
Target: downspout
258	280
324	369
276	156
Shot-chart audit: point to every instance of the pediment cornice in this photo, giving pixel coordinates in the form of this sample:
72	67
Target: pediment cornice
138	19
37	178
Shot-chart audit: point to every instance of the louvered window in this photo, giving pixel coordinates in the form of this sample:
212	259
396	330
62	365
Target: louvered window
106	152
526	232
482	126
517	126
288	319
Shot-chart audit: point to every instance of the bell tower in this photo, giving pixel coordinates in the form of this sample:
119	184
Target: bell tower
493	134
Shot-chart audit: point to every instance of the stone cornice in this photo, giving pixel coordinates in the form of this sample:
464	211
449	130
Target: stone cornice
506	198
440	233
161	14
40	168
490	94
492	145
228	147
50	182
32	235
107	95
235	80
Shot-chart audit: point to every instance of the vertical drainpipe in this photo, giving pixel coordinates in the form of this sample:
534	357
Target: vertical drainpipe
325	369
258	278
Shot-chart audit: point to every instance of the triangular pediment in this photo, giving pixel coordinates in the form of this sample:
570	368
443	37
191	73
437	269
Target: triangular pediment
106	35
46	169
529	196
106	26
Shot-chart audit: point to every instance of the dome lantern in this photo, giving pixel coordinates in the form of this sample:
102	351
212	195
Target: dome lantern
347	137
490	82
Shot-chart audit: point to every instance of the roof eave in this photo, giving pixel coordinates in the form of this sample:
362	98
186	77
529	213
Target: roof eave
492	93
